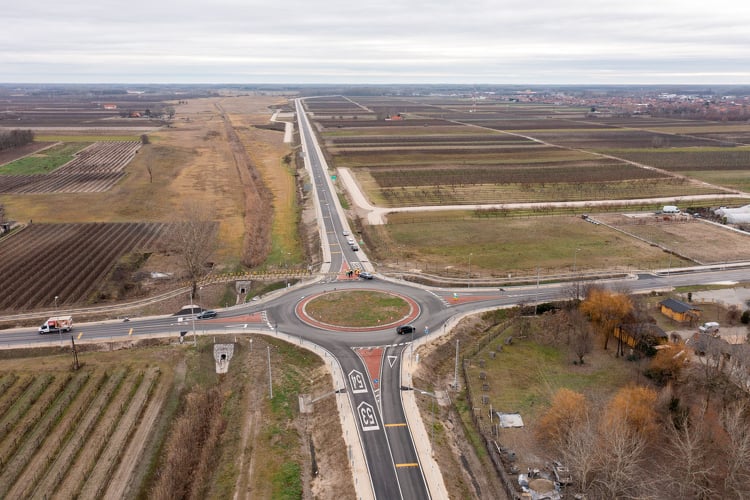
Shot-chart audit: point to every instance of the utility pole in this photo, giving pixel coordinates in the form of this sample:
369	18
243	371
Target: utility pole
270	382
76	365
455	374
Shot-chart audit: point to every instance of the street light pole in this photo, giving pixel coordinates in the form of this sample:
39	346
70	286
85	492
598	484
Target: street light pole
192	316
270	382
470	254
59	330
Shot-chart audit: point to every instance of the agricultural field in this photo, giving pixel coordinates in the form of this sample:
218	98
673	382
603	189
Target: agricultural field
70	168
693	239
509	247
70	261
191	159
152	419
466	152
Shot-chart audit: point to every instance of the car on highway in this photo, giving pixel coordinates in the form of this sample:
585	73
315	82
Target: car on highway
354	247
207	314
405	329
345	232
366	276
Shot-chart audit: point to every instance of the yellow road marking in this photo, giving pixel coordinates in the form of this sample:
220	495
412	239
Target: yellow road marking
80	335
408	465
395	425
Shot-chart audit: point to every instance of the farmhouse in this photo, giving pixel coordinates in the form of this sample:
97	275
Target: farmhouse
679	311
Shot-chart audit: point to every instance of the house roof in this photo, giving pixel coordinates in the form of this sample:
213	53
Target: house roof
678	306
638	330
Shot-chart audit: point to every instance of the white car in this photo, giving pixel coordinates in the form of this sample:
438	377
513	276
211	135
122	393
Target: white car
345	232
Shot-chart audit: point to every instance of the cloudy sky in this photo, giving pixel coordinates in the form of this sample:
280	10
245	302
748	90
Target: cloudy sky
366	41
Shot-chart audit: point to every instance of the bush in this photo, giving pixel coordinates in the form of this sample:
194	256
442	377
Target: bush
745	318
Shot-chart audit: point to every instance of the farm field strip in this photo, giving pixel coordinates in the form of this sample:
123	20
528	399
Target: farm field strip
102	471
30	447
29	420
44	466
75	403
13	386
75	461
96	168
56	260
75	257
717	158
521	193
19	413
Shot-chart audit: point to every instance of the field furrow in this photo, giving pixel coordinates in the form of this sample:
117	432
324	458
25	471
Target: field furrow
74	463
55	439
29	459
13	386
98	478
16	416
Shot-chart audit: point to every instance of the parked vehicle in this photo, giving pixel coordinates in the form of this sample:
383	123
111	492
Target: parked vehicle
670	209
405	329
207	314
354	247
57	324
711	327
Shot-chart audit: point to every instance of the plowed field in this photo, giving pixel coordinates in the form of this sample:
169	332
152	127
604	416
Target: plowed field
65	260
94	169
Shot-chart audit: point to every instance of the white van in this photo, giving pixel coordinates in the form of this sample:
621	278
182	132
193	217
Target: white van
710	327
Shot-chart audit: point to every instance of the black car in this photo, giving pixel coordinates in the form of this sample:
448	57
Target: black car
207	315
404	329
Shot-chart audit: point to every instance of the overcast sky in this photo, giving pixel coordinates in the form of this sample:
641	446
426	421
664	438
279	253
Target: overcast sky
345	41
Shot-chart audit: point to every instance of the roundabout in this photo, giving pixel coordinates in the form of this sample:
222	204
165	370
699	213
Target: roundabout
361	310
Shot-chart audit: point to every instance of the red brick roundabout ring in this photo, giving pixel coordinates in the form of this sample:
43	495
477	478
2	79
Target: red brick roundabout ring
301	313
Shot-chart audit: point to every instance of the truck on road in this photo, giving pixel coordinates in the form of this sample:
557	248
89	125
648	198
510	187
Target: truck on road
57	324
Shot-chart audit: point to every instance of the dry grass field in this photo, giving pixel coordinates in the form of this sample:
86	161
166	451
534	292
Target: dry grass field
508	246
700	241
189	161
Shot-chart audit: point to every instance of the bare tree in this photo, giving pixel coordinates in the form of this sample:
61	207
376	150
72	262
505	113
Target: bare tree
194	238
579	453
581	334
620	454
736	422
687	470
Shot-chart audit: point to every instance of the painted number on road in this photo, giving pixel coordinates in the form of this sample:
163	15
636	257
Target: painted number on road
357	381
367	417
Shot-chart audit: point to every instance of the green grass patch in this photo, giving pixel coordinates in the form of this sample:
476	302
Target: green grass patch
358	308
287	484
524	376
45	161
453	242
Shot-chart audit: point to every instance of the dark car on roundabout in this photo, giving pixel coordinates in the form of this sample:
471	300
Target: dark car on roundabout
405	329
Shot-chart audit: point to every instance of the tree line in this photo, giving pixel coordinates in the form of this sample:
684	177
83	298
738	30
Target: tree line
15	138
